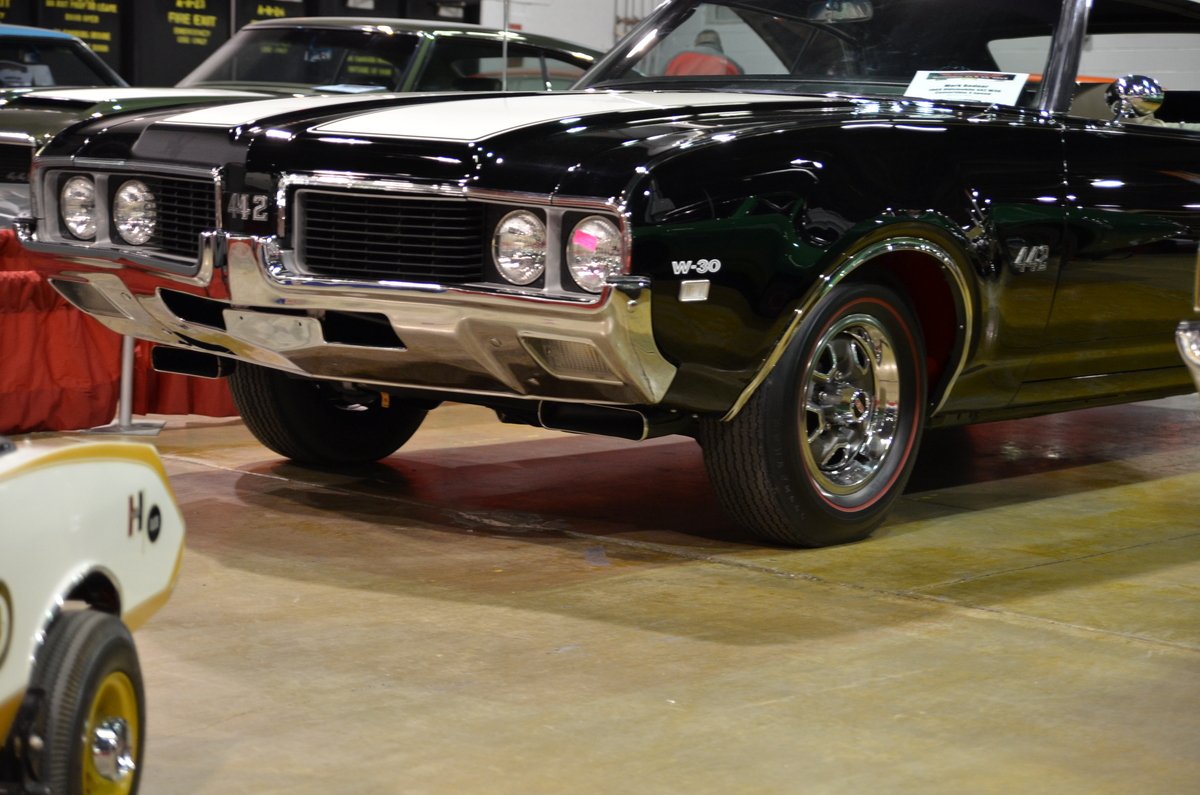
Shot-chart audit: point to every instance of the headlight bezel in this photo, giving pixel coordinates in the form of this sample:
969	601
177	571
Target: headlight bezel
143	235
579	277
76	228
531	274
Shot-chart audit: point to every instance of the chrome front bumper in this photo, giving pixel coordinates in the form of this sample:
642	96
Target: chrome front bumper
1188	338
453	340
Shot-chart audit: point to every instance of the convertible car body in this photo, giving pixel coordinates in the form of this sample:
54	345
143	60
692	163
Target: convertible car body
798	231
90	547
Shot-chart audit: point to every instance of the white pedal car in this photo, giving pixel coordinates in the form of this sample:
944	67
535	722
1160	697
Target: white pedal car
90	544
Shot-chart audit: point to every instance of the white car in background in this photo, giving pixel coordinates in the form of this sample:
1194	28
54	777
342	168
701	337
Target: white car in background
91	540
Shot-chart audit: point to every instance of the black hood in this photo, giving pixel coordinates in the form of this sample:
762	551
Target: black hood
574	144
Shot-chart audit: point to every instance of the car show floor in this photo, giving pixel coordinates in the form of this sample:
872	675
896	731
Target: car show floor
499	609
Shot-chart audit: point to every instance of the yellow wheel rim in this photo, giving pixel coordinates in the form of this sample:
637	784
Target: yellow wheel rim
111	739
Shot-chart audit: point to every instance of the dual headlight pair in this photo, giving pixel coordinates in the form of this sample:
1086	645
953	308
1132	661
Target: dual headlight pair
594	250
134	210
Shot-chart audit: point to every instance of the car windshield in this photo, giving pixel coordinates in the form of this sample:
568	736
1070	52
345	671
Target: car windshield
27	63
997	48
329	59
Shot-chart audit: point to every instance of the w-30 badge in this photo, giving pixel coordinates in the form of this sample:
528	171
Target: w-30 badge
685	266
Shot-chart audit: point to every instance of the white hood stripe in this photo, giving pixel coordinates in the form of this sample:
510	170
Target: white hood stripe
242	114
477	119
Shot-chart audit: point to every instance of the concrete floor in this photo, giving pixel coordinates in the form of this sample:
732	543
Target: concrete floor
497	609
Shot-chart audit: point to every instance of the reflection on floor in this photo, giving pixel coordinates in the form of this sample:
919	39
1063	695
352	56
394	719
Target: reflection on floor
503	610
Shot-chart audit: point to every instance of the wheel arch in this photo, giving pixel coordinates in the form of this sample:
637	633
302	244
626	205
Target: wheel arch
931	272
99	590
95	588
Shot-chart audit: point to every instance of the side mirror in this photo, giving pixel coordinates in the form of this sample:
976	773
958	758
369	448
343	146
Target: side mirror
1132	96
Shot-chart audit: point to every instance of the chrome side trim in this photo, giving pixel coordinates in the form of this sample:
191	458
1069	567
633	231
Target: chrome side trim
198	272
99	164
6	621
838	273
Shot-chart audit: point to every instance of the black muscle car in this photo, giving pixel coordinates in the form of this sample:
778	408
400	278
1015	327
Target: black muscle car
801	232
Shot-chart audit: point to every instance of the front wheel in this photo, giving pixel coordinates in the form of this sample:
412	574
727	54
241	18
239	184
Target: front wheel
826	444
317	422
92	718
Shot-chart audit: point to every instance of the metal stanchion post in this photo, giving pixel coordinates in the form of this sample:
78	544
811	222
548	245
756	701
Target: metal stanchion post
124	424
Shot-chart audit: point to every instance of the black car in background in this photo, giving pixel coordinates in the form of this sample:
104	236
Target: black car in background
38	58
310	55
800	232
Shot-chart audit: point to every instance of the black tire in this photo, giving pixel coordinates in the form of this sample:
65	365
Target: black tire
817	456
312	422
92	689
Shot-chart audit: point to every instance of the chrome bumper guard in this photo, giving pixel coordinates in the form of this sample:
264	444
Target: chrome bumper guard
449	339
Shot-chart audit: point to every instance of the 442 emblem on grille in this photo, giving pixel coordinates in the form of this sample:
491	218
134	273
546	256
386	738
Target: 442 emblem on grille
248	206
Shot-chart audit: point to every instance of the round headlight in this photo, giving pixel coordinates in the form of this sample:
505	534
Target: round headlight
594	253
135	212
519	247
77	200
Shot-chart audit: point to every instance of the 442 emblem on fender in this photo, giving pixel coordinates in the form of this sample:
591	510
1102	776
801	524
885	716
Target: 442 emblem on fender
1031	259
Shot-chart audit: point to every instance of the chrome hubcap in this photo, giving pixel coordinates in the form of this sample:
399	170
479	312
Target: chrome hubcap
851	405
112	753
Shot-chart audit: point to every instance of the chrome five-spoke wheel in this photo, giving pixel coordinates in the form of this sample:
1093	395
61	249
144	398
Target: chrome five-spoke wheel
825	445
852	398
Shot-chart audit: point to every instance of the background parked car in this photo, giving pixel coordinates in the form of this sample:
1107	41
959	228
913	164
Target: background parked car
354	54
39	58
90	548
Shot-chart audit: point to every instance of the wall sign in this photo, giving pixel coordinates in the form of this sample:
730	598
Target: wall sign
173	37
97	22
253	10
16	12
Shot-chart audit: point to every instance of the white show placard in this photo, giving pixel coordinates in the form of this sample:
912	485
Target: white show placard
1002	88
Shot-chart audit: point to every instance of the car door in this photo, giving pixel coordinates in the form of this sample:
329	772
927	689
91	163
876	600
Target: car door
1132	232
1133	218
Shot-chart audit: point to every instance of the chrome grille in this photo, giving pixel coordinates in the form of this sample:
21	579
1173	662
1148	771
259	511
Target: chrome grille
186	207
378	236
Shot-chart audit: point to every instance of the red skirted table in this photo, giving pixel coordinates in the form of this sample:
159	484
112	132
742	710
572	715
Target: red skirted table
60	369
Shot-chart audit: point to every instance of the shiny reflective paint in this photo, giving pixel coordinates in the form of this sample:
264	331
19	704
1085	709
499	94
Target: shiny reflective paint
1072	241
